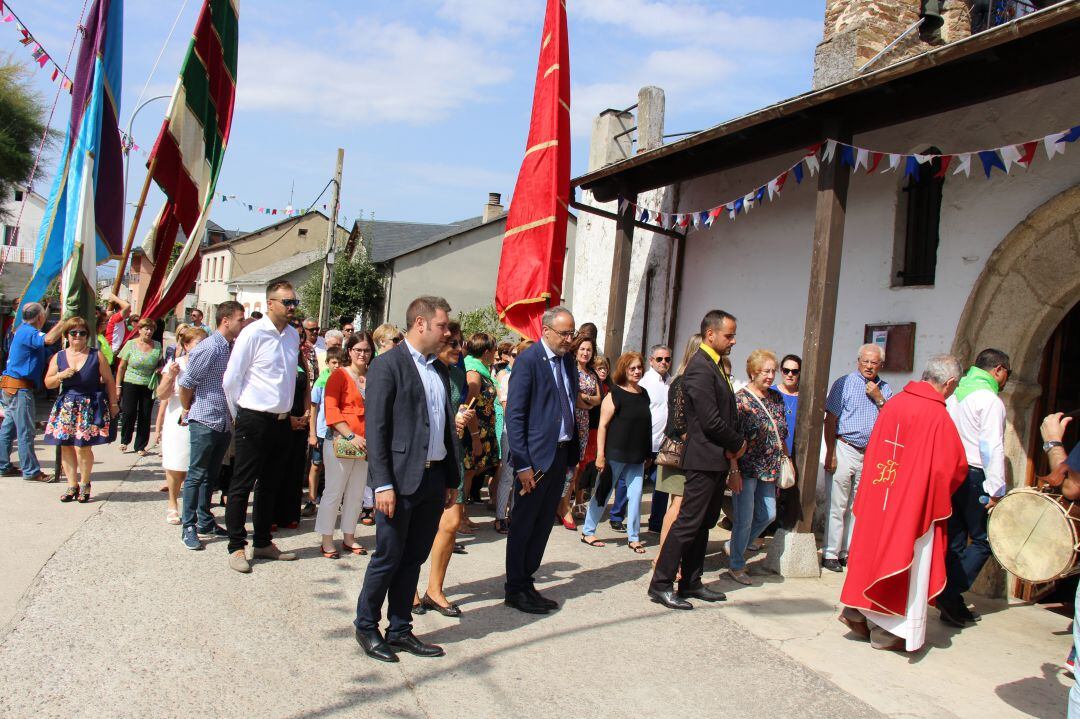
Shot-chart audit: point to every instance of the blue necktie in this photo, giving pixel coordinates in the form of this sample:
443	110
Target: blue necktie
564	398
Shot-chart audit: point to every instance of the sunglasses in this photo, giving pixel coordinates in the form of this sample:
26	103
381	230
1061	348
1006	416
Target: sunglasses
285	303
454	344
792	372
398	339
77	333
311	329
662	359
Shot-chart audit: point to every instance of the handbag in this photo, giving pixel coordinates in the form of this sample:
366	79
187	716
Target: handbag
787	467
670	453
344	449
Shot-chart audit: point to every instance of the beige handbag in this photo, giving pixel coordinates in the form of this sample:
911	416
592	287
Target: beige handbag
787	467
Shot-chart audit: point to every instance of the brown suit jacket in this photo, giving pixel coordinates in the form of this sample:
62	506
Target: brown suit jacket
711	416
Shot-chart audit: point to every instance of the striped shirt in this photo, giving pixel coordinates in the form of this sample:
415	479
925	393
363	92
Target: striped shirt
854	409
205	370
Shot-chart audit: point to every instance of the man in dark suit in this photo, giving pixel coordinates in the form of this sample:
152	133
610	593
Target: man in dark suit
543	443
413	466
713	442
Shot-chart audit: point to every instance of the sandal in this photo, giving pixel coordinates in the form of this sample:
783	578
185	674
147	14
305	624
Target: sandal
354	548
172	516
85	496
638	547
502	526
70	494
329	554
366	518
595	543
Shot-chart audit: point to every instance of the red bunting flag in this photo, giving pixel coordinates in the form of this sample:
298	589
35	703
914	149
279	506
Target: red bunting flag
1029	153
875	158
945	160
534	245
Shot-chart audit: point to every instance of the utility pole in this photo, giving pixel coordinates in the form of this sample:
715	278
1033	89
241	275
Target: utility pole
331	237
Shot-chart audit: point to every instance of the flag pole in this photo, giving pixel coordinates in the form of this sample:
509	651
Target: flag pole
134	226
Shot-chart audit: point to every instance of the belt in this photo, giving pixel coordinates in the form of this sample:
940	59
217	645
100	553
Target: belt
432	463
273	415
14	383
857	449
563	445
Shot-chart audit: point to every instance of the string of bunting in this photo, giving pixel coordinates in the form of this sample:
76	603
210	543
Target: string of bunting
1003	158
40	55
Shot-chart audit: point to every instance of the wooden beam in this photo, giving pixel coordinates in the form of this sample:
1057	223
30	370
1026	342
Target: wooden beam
679	250
620	281
637	223
820	323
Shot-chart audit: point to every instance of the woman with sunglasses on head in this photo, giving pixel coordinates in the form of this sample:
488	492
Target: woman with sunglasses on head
386	336
624	438
173	436
85	411
139	362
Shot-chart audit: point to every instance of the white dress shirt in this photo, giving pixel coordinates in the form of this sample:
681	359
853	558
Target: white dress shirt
564	431
980	420
435	392
657	387
261	375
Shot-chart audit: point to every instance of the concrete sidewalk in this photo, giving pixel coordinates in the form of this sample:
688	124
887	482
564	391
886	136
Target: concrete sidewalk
120	620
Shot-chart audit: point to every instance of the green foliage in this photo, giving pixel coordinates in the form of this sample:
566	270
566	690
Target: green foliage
356	287
22	122
484	319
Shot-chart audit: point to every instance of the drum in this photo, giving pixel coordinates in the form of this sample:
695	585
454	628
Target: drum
1035	535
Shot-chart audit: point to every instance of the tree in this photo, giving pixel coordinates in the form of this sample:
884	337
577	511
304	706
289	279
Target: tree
356	288
485	319
22	123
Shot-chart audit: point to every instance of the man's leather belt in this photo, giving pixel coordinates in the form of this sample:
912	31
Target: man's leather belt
857	449
563	445
273	415
14	383
432	463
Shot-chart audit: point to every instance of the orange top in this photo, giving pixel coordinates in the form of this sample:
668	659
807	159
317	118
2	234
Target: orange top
343	401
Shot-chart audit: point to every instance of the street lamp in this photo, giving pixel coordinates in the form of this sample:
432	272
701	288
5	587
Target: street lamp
128	143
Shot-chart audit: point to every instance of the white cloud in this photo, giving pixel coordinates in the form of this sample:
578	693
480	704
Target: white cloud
493	18
372	72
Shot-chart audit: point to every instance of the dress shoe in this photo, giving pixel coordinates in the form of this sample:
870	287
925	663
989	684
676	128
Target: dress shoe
950	612
887	641
13	471
540	599
703	593
409	643
843	562
854	620
669	599
618	527
961	611
375	646
270	551
452	610
522	602
238	562
833	565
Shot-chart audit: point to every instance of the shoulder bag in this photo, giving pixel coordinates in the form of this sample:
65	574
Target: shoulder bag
671	453
343	448
787	467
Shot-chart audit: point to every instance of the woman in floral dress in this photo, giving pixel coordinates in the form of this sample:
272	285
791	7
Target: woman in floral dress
484	445
589	397
85	412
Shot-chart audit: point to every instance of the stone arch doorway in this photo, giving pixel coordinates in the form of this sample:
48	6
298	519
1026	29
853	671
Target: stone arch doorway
1028	287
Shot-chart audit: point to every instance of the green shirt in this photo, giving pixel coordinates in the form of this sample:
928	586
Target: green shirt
140	365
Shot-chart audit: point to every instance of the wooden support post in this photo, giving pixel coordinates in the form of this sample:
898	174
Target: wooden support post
134	227
820	324
620	281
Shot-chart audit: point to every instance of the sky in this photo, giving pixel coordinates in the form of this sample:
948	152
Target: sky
430	98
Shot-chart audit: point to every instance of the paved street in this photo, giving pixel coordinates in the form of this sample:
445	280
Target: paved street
121	620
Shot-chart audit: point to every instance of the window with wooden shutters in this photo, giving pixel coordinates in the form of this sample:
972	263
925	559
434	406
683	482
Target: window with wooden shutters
922	205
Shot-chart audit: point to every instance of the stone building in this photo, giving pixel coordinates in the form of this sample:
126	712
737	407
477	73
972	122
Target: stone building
962	263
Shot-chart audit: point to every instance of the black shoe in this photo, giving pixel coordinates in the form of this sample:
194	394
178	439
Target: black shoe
412	645
375	646
669	599
459	548
453	611
843	562
12	471
970	614
540	599
618	527
522	602
951	612
833	565
703	593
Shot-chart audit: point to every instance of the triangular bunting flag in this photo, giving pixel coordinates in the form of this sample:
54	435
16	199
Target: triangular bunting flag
911	167
875	158
1053	145
946	160
1028	154
990	160
894	162
643	218
1072	135
861	158
812	164
923	159
830	151
798	172
963	164
1009	155
847	156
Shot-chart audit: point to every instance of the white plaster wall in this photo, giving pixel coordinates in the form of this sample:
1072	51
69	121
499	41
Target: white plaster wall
252	298
30	224
592	264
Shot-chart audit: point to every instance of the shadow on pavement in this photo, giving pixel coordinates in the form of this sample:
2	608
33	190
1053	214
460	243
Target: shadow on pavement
1032	695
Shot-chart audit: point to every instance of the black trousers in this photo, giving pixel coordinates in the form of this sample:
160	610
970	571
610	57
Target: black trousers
291	492
262	446
402	545
136	405
531	520
689	534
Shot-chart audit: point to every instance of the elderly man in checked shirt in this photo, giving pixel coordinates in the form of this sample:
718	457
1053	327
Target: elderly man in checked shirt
850	412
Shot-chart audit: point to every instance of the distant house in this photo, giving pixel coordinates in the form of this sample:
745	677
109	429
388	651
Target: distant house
250	289
18	241
461	263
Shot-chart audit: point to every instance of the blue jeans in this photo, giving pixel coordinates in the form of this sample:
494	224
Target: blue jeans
208	447
633	475
18	421
755	510
618	507
964	561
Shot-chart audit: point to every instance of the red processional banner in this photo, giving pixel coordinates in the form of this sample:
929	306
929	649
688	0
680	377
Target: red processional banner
534	246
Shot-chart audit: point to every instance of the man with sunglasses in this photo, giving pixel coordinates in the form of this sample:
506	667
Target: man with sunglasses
259	383
979	414
655	382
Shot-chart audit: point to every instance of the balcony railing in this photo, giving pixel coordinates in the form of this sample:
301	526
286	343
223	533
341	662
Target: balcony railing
14	253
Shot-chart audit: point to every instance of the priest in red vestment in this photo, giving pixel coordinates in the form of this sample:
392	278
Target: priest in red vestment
913	464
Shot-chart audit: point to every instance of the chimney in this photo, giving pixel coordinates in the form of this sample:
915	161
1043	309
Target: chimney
494	207
857	30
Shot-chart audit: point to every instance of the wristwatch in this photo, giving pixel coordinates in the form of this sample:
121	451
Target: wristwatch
1047	446
350	438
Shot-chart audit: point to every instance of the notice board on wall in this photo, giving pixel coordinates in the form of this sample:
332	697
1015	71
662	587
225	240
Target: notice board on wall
898	341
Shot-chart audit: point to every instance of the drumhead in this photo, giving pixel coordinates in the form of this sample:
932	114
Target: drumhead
1032	537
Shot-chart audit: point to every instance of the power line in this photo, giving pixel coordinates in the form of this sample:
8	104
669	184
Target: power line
286	230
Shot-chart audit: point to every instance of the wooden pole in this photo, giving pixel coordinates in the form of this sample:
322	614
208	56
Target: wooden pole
820	325
620	281
134	226
331	238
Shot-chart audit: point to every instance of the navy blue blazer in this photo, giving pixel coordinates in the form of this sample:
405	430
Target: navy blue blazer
532	409
396	424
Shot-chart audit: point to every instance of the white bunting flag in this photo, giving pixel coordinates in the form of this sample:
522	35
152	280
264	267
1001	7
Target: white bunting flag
811	164
862	158
830	151
1052	146
1009	155
771	189
894	162
923	159
963	164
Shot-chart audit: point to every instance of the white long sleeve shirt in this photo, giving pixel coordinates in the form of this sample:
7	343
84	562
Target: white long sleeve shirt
658	388
980	420
261	374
